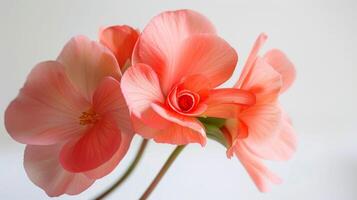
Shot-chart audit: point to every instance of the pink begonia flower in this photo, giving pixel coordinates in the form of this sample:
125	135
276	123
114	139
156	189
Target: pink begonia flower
73	117
177	62
262	131
121	41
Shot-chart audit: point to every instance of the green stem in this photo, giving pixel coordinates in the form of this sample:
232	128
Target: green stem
162	172
128	171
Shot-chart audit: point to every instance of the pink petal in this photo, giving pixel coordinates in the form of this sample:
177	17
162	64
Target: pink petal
145	130
120	40
183	129
260	174
179	135
87	63
263	122
263	81
280	62
97	145
282	147
47	109
110	165
222	110
204	54
43	168
197	83
225	102
169	132
230	96
141	87
109	100
251	58
162	38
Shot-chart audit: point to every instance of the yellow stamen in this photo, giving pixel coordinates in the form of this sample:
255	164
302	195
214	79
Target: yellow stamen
88	117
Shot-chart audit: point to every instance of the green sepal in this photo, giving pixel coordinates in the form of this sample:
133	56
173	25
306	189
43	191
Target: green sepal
218	122
213	131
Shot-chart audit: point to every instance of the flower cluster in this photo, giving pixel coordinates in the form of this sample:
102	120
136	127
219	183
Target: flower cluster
78	113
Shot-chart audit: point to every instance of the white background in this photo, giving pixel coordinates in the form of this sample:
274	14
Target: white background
319	36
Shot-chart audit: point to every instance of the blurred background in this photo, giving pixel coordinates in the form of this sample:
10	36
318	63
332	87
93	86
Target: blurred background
319	36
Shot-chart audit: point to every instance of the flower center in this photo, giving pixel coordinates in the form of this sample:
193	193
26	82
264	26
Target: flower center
88	117
186	101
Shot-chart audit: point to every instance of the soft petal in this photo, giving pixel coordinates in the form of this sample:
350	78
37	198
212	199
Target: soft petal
109	100
222	110
251	58
183	129
234	132
159	43
141	88
260	174
47	109
179	135
168	131
145	130
230	96
226	102
110	165
281	63
43	168
204	54
197	83
120	40
263	81
95	147
87	63
282	147
263	122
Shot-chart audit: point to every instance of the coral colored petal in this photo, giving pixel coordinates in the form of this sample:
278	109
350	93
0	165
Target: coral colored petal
197	83
145	130
236	131
179	135
251	58
225	103
204	54
282	147
47	109
230	96
110	165
263	122
280	62
141	87
43	168
97	145
260	174
87	63
120	40
222	110
161	39
263	81
109	100
183	130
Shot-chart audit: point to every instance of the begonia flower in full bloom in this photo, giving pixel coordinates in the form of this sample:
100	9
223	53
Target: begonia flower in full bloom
73	117
177	63
262	131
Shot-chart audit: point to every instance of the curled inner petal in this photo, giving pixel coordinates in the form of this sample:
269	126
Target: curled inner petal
186	101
